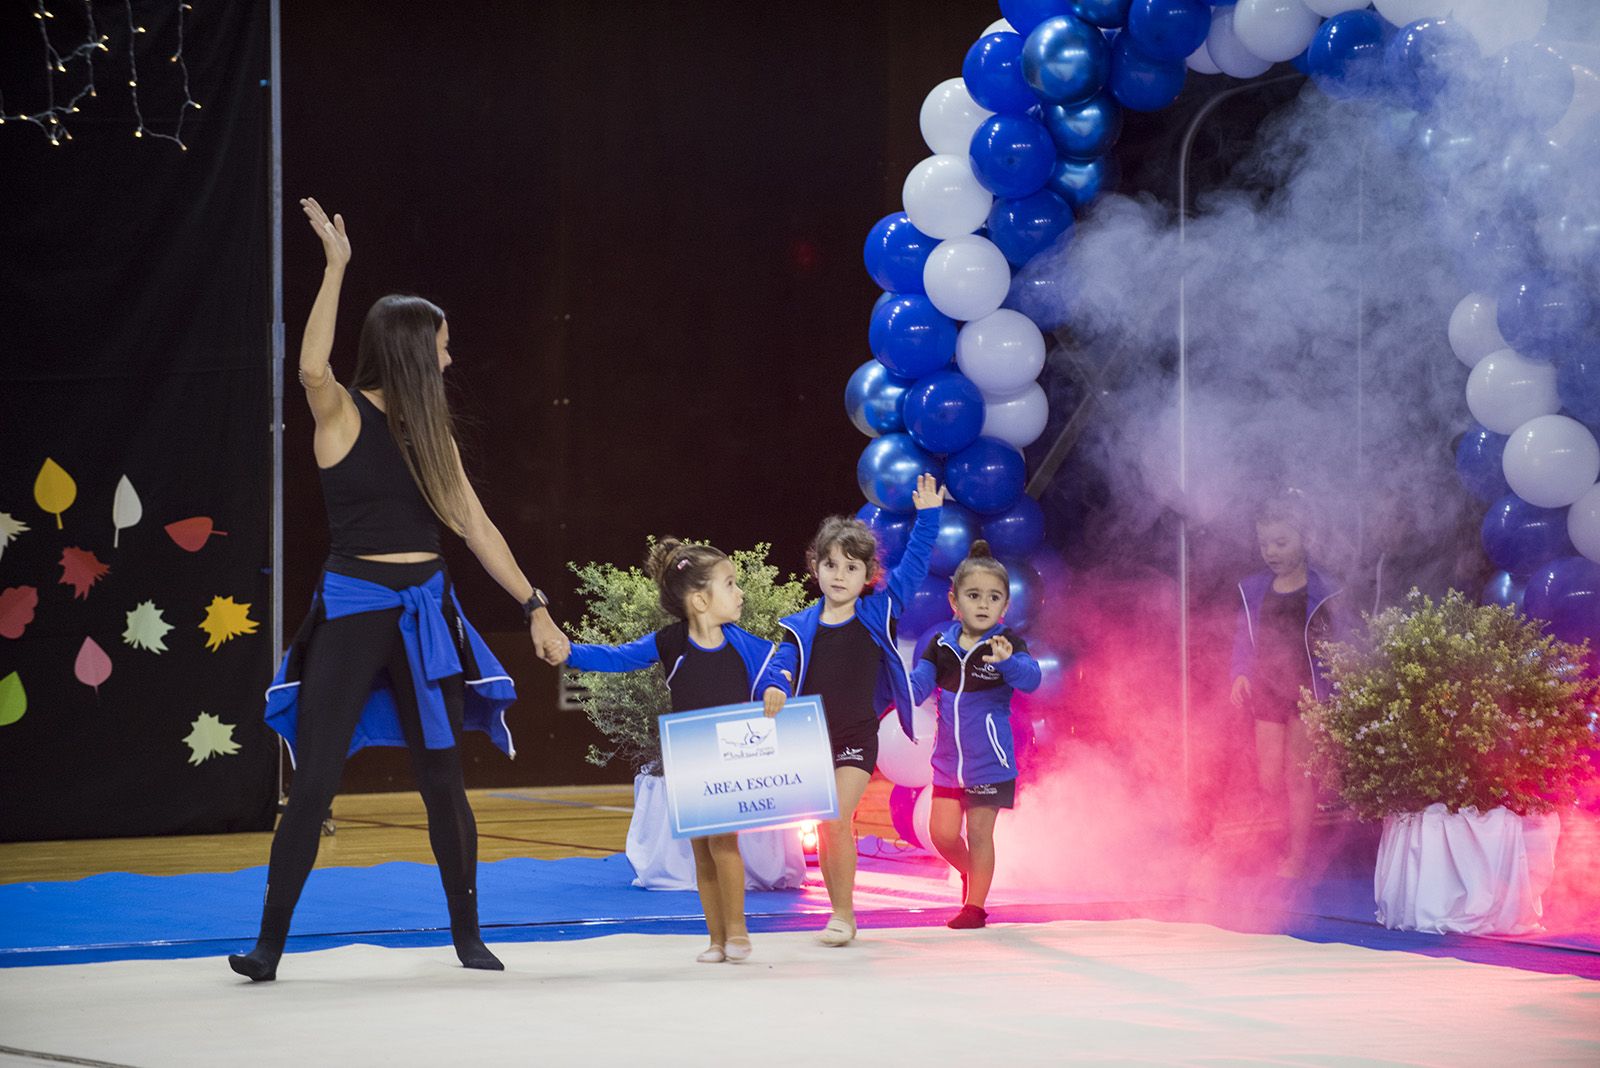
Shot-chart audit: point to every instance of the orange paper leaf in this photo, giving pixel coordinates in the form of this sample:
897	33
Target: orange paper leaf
81	569
93	666
16	610
54	489
225	621
193	533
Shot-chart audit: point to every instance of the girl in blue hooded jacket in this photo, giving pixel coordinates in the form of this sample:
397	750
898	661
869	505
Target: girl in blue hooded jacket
976	663
708	662
842	648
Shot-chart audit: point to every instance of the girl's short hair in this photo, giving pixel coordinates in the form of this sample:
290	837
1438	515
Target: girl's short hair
1290	508
853	537
979	558
680	569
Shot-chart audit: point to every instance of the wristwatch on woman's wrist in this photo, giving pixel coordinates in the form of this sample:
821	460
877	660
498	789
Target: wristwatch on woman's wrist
533	604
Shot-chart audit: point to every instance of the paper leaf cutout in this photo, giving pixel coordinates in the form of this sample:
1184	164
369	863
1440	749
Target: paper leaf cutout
210	737
54	489
93	666
81	569
16	610
192	533
226	620
126	509
9	529
13	699
146	628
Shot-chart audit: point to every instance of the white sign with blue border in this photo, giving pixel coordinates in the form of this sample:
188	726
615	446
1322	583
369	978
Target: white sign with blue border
733	769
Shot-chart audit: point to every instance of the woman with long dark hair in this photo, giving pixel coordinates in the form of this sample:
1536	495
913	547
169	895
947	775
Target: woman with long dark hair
385	656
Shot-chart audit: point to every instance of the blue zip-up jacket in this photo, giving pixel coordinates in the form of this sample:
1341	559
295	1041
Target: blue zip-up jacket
974	743
1322	622
667	647
879	612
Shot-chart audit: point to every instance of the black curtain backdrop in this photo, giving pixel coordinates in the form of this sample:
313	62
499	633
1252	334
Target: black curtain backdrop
134	340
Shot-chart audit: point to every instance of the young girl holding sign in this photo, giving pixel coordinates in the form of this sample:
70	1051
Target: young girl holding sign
976	663
708	662
843	648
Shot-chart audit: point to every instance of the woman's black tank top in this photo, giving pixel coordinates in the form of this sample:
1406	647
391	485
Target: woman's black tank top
374	505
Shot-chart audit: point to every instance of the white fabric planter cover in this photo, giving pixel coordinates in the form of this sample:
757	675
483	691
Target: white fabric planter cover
773	860
1467	872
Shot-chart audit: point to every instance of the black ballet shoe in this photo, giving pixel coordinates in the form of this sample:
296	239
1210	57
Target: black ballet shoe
260	965
464	933
969	917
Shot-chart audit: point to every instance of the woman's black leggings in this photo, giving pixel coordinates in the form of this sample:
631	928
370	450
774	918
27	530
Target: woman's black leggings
341	660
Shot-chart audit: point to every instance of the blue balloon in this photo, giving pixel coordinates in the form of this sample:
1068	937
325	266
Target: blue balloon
888	469
1066	60
1539	592
1495	251
1012	155
1574	600
987	476
1478	463
911	336
890	528
1018	530
1504	590
1027	594
1346	55
874	398
1533	85
1168	29
928	606
1084	131
957	528
1543	315
993	73
1520	537
1420	59
1578	383
1106	14
1044	292
1081	183
1024	15
1024	227
1140	82
896	252
944	411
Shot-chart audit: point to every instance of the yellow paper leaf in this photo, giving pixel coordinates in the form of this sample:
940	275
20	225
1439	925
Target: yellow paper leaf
9	529
13	699
146	628
209	737
226	620
54	489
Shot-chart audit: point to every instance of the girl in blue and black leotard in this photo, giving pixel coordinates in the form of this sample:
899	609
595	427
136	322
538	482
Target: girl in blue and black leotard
976	663
708	662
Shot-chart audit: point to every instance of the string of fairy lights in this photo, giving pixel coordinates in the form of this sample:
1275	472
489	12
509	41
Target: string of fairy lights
78	66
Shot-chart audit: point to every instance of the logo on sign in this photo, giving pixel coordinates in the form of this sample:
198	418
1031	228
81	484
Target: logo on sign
747	738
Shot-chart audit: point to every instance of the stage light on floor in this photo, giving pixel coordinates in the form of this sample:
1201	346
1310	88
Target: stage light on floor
808	838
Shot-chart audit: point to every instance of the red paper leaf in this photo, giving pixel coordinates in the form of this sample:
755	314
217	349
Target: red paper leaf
93	665
81	569
193	533
16	610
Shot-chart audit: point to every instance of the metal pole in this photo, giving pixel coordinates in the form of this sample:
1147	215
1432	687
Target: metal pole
275	211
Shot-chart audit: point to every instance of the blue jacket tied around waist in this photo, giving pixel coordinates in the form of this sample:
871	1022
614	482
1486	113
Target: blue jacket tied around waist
1323	621
974	743
879	611
434	651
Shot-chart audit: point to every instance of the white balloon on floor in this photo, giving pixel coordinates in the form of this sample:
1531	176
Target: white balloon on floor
1002	353
1017	420
921	813
1583	523
1405	12
1506	390
1474	333
1499	24
1551	461
1227	51
902	761
943	198
950	117
1200	61
1277	30
966	277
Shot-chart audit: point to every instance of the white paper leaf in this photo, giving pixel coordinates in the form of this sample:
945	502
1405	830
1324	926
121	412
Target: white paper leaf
9	529
125	508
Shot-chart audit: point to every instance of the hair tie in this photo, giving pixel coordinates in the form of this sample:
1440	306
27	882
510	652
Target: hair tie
683	563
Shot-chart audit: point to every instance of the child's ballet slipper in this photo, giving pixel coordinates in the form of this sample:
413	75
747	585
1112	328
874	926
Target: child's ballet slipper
712	954
837	933
738	948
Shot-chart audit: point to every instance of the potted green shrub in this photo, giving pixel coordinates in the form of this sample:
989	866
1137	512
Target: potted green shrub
1466	729
623	604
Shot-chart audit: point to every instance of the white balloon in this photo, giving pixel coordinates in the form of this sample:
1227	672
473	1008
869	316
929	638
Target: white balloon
950	117
1506	389
1200	61
921	814
1018	420
966	277
1002	353
1499	24
1474	332
1277	30
902	761
1583	523
1551	461
1405	12
943	197
1227	51
998	26
1329	8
